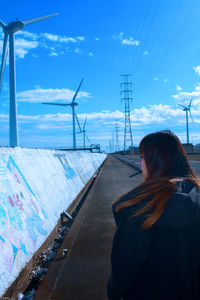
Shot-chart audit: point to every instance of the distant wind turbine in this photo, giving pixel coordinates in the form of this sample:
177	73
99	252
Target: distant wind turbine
83	131
9	31
187	109
72	104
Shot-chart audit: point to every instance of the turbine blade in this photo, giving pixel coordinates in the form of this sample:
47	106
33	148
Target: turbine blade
190	103
182	106
77	91
2	25
84	123
88	139
78	123
51	103
192	118
4	57
76	132
30	21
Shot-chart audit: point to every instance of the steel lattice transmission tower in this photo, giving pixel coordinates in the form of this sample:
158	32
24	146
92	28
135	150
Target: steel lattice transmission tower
126	93
117	136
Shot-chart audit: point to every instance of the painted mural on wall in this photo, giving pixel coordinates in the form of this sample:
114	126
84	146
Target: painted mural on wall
21	219
32	200
69	171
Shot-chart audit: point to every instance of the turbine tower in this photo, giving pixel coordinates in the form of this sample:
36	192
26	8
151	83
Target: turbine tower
72	104
187	109
83	131
9	31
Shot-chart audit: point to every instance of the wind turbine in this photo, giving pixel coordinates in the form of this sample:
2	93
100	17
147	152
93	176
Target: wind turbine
9	31
187	109
83	130
72	104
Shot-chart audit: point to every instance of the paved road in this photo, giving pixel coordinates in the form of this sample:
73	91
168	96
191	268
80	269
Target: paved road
135	161
84	273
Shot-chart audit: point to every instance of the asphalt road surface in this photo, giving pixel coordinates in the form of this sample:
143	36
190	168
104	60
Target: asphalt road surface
135	161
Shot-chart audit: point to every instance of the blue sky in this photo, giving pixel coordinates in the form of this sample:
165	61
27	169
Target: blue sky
156	41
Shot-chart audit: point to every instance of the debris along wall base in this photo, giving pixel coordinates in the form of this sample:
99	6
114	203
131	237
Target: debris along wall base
36	186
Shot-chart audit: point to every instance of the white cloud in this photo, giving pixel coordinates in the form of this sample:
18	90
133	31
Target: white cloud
126	41
166	80
67	40
53	126
139	116
51	37
26	41
130	42
22	43
101	115
197	69
22	47
62	39
27	34
49	95
155	78
186	96
145	52
178	88
53	54
77	50
153	114
81	38
101	124
91	54
3	116
20	52
97	39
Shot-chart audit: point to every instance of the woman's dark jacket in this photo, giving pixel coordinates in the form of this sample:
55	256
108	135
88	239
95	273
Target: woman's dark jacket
162	262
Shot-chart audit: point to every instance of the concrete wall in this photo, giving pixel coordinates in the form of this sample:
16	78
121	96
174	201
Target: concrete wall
35	187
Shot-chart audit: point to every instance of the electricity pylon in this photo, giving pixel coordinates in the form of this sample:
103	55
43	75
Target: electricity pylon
117	136
126	93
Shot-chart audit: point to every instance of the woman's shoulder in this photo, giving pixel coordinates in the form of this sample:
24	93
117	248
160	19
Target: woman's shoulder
184	186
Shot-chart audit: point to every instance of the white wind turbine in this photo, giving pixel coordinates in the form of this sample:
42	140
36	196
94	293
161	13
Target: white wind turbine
187	109
72	104
9	31
83	131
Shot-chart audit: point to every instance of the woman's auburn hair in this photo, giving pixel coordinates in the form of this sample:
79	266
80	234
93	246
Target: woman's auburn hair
166	163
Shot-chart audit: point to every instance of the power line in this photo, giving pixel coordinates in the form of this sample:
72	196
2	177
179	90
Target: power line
170	46
161	42
146	11
147	36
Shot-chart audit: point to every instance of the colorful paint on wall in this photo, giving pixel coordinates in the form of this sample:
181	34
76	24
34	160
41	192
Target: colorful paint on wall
69	171
19	214
31	200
